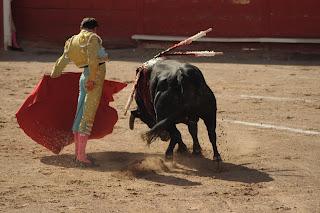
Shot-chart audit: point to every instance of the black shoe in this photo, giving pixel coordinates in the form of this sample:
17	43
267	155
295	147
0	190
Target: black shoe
92	159
16	48
86	165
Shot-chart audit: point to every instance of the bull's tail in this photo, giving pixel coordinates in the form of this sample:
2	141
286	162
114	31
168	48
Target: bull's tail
149	137
157	130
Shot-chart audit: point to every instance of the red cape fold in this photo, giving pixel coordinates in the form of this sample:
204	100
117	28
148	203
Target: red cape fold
47	114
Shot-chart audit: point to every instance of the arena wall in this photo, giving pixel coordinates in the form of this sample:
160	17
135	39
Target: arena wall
54	21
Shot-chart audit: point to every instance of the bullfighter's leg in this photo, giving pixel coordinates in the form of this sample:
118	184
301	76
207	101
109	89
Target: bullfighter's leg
210	122
193	130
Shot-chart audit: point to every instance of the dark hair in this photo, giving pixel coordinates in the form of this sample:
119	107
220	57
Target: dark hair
89	23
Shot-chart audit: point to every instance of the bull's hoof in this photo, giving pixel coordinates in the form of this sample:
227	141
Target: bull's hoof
169	156
131	121
197	153
182	149
217	158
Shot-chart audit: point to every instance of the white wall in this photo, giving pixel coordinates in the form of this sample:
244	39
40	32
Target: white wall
6	24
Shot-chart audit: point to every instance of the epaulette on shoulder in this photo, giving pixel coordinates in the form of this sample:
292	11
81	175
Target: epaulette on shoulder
94	35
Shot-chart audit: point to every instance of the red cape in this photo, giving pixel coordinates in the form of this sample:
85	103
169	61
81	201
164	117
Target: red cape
47	114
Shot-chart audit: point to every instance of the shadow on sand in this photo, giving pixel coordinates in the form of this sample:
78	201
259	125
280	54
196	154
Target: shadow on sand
153	167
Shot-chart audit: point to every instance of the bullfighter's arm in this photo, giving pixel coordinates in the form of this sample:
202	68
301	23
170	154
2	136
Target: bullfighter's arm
93	58
62	62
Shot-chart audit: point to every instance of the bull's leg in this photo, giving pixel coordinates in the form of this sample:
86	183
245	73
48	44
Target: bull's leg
143	117
175	136
169	151
193	130
182	148
210	123
133	115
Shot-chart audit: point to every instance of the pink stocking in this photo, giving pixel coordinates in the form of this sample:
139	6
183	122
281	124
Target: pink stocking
81	156
76	143
14	40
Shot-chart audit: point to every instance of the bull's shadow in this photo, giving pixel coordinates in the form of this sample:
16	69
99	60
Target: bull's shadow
205	167
161	171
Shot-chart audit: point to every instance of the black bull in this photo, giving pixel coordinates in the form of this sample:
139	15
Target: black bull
170	92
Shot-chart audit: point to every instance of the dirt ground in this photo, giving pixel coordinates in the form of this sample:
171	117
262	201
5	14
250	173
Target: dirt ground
268	135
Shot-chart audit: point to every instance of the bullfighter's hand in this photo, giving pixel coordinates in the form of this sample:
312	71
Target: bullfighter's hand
106	59
90	85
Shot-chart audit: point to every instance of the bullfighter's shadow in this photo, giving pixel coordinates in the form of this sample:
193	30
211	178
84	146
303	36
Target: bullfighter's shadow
161	171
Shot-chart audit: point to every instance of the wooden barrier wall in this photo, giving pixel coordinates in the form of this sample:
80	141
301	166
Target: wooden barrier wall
54	21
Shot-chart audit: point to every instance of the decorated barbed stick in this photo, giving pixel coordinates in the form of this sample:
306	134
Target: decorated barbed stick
130	99
195	53
181	43
185	42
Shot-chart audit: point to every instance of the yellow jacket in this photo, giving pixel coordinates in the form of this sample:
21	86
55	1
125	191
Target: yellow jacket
82	49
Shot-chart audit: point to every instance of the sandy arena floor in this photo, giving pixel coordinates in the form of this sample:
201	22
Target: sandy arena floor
268	128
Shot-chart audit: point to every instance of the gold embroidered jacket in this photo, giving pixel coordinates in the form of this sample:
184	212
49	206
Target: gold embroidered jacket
82	49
